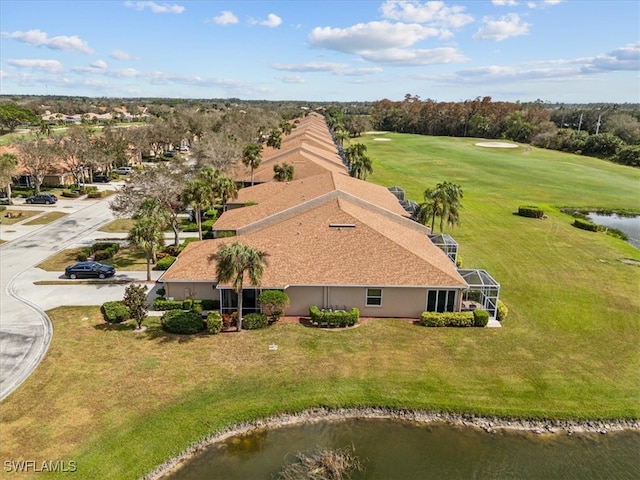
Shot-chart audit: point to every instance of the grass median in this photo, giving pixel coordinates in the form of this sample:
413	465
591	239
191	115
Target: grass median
120	402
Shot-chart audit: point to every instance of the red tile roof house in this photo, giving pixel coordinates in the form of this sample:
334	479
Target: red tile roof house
332	241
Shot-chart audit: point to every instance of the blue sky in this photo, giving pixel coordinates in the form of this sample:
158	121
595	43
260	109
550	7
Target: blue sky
553	50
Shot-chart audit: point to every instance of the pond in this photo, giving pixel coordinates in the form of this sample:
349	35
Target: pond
628	225
405	450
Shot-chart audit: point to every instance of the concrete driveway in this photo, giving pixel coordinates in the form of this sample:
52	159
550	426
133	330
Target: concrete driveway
25	329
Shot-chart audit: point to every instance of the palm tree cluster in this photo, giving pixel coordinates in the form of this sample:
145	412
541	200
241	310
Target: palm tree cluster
283	172
442	202
358	162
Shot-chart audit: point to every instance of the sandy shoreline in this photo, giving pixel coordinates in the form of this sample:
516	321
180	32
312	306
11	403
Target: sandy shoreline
488	424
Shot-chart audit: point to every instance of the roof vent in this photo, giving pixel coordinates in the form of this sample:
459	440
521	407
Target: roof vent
342	225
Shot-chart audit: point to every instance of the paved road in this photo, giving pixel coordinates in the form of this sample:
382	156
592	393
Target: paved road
25	330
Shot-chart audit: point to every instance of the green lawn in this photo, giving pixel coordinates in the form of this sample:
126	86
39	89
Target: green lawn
120	402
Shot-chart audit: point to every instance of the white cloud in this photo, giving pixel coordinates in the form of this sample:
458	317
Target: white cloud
49	66
362	72
309	67
624	58
415	57
505	27
272	21
225	18
433	13
155	7
370	36
543	3
100	64
504	3
39	38
3	74
120	55
291	79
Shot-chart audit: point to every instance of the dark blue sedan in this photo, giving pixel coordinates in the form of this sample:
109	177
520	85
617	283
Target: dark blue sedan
89	270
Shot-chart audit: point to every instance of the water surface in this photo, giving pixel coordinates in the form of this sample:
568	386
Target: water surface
628	225
403	450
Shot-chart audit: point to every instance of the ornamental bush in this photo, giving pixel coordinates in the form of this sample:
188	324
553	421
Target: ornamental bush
214	322
254	321
480	318
446	319
187	303
115	312
83	255
273	303
585	225
163	304
530	211
178	321
210	304
503	311
165	263
334	319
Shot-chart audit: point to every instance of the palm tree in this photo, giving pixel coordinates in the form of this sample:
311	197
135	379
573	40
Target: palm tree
286	127
251	157
442	201
283	172
275	139
233	262
225	189
198	193
147	234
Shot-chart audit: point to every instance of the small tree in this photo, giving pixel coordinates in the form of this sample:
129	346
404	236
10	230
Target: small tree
273	303
135	297
147	234
251	157
283	172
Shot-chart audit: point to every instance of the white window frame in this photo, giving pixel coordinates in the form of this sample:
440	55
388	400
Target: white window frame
368	296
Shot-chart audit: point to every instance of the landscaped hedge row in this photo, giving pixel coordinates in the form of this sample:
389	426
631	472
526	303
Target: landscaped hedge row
254	321
334	319
179	321
447	319
100	251
115	312
585	225
165	263
531	211
161	303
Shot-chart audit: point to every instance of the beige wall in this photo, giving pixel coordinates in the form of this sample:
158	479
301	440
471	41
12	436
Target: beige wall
182	290
396	302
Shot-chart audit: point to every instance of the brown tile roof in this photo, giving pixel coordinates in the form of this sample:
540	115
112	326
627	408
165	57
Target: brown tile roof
376	250
274	198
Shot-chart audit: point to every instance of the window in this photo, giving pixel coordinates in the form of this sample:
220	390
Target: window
374	297
441	300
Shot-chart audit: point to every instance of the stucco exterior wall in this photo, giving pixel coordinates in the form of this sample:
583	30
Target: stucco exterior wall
196	290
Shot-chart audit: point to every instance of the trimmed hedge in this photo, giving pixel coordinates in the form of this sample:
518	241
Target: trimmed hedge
480	318
165	263
214	322
503	311
334	319
178	321
585	225
115	312
254	321
164	304
530	211
210	304
447	319
83	255
96	194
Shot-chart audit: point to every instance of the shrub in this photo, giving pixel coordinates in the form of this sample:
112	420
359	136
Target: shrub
96	194
530	211
187	303
170	250
585	225
104	246
104	254
334	319
197	307
503	311
447	319
480	318
162	304
165	263
273	303
161	292
70	193
254	321
210	304
214	322
115	312
178	321
83	255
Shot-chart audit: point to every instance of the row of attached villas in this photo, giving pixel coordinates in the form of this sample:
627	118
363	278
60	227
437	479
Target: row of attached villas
332	241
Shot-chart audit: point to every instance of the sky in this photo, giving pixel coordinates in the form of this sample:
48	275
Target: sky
567	51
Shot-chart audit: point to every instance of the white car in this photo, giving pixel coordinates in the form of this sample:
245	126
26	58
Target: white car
123	170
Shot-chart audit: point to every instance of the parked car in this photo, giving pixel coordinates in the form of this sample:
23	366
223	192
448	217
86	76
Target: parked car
101	179
123	170
89	270
169	154
184	148
46	198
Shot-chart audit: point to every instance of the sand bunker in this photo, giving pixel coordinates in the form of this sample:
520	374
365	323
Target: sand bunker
381	139
374	133
497	145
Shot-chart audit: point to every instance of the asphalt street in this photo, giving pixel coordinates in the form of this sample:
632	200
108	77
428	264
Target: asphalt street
25	329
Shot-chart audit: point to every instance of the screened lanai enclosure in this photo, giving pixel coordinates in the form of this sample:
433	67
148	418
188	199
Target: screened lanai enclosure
447	244
483	291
